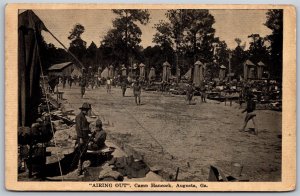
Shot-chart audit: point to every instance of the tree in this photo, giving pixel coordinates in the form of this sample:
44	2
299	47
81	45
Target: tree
258	50
155	56
77	45
163	36
51	55
200	34
190	33
221	57
238	41
125	36
275	23
171	33
239	56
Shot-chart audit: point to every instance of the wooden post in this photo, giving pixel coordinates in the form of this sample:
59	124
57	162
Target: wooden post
229	67
177	172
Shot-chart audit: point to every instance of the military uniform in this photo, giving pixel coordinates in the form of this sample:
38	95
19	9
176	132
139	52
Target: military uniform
83	84
124	87
82	127
82	130
137	93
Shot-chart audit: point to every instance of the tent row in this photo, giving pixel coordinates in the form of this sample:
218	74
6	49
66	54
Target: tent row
251	71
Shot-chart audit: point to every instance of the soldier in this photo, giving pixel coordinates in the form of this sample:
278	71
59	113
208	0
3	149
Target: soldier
99	137
124	86
70	81
64	81
250	108
190	93
137	92
108	85
83	131
82	85
75	79
203	94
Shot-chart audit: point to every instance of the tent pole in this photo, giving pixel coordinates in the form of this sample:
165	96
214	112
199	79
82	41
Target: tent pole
65	48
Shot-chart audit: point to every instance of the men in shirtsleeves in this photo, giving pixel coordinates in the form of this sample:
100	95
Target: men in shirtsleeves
137	92
250	112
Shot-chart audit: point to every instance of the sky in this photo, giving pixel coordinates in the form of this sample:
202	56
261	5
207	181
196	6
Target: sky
229	24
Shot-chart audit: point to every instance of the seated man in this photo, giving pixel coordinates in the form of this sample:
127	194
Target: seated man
99	137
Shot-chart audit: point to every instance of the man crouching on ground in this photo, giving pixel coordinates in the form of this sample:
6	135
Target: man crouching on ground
99	137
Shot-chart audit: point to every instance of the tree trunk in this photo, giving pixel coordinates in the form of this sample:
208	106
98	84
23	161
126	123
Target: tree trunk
126	40
194	56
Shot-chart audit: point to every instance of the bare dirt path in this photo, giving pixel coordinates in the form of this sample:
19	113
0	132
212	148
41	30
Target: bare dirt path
170	134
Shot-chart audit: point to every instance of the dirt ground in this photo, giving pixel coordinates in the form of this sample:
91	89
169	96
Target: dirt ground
170	134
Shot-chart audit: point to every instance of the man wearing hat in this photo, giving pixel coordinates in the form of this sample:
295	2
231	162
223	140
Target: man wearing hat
83	131
99	137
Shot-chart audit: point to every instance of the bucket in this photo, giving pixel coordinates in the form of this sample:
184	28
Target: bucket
236	169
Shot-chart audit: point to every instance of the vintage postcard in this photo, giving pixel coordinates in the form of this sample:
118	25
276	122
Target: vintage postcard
109	97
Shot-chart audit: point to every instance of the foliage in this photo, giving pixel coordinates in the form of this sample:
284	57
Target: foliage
52	55
155	56
221	57
238	57
185	36
275	23
258	50
191	35
125	36
77	45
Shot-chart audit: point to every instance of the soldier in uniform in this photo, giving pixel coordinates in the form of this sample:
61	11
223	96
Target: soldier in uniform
99	137
82	85
124	86
190	93
137	92
83	131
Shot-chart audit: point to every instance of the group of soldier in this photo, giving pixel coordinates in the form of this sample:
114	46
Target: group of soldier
70	80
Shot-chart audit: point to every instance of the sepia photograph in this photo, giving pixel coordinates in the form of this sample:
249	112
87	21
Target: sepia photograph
142	97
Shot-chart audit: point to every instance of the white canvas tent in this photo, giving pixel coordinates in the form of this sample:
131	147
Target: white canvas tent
198	73
76	72
188	74
151	73
104	73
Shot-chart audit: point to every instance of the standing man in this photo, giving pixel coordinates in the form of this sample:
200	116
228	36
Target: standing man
82	130
228	97
137	92
70	81
75	79
82	85
190	93
124	86
203	95
241	97
250	113
64	81
108	85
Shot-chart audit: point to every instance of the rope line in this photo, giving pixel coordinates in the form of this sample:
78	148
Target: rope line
48	107
147	131
65	48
